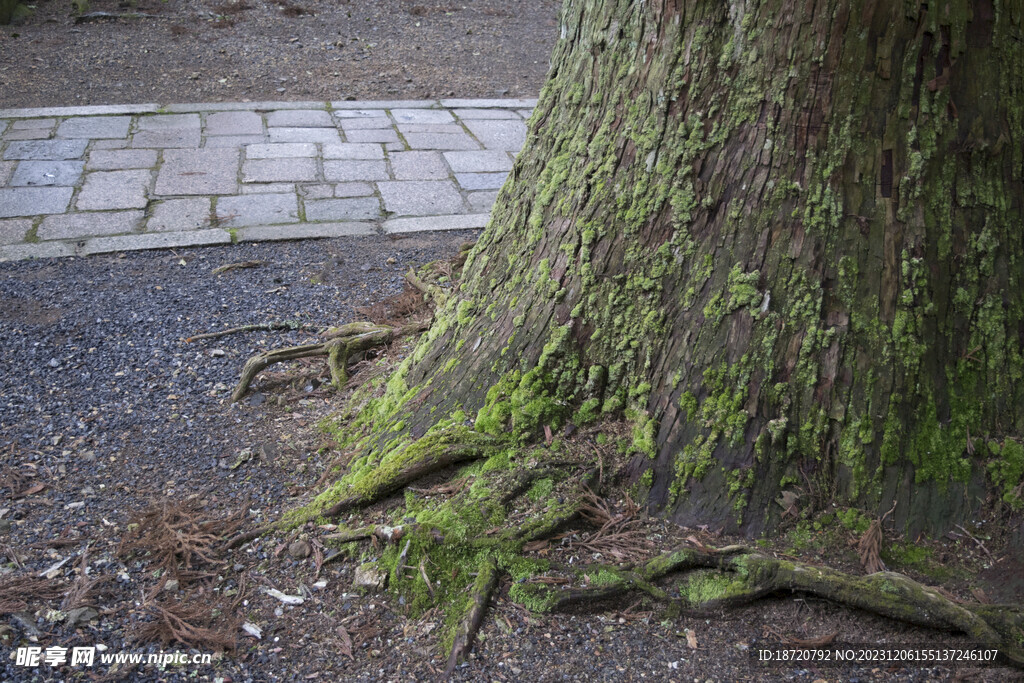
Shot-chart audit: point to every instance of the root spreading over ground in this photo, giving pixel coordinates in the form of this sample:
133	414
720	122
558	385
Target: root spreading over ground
441	519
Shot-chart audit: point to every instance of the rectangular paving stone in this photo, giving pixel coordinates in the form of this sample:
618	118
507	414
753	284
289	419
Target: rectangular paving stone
257	209
234	123
358	208
82	225
525	113
116	159
33	124
3	126
394	146
510	103
198	171
34	201
47	173
484	161
155	240
425	223
353	189
19	252
422	116
372	135
13	230
109	144
406	128
482	202
104	190
280	150
169	215
300	118
46	150
481	181
234	140
418	166
94	127
89	110
485	114
324	135
363	123
346	170
360	114
163	122
383	104
441	141
40	134
174	138
420	197
184	107
354	150
6	171
261	188
278	170
298	231
318	191
507	135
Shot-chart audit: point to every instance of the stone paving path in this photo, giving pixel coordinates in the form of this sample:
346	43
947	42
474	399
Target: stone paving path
87	180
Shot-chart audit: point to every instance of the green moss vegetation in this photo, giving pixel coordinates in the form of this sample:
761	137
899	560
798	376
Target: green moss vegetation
1006	468
829	304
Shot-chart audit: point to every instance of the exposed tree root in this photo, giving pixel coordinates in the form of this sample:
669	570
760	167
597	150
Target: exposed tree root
708	579
434	453
338	348
235	266
246	536
262	327
741	576
480	599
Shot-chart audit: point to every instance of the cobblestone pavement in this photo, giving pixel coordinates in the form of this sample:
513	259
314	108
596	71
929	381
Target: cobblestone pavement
87	180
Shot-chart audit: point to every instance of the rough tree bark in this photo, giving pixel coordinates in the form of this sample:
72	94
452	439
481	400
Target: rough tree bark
781	237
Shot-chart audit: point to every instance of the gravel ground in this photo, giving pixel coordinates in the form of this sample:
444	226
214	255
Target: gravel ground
258	50
104	409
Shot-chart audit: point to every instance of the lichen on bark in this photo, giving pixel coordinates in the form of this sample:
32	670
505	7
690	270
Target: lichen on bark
782	240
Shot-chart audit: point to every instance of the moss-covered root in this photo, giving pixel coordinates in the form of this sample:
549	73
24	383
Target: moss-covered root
432	453
735	575
479	599
616	581
341	345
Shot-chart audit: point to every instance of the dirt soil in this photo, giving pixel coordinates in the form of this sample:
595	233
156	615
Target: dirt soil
106	412
167	51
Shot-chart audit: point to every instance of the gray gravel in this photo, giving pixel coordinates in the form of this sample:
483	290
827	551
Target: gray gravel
101	398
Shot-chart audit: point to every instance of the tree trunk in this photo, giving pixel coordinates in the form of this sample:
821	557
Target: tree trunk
782	237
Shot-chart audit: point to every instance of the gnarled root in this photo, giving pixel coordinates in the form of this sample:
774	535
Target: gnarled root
433	453
342	344
744	576
480	598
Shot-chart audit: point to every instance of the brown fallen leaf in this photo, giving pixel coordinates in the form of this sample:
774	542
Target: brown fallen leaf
812	642
31	490
691	639
345	643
